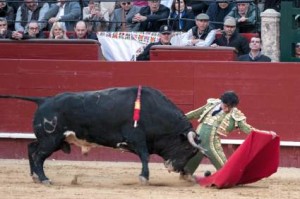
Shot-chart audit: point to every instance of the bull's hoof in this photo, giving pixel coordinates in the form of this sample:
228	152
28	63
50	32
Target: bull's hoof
187	177
143	180
35	178
46	182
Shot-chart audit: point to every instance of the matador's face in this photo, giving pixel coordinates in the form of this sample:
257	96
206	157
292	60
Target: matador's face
226	108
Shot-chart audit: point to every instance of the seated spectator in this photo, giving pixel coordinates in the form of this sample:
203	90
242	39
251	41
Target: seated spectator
199	6
33	31
181	19
247	16
4	32
201	34
96	16
105	5
217	12
81	32
231	38
67	12
152	16
164	39
7	12
297	50
255	54
8	34
30	10
125	15
58	31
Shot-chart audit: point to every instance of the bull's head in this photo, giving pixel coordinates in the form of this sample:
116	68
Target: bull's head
179	151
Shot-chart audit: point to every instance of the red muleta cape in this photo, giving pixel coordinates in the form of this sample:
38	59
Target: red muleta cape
256	158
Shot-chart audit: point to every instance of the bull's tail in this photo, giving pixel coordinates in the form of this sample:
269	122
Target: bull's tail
37	100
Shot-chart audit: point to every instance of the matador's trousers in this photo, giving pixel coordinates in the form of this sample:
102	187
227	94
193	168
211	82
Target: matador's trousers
210	141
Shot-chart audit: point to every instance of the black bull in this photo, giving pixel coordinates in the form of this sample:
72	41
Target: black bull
105	118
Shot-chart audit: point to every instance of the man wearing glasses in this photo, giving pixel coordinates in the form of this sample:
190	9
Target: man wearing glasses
152	16
122	17
164	39
33	31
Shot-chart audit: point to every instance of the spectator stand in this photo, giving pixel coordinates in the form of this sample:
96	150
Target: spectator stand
115	45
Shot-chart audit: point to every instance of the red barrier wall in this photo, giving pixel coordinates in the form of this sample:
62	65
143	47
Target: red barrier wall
168	53
269	92
58	49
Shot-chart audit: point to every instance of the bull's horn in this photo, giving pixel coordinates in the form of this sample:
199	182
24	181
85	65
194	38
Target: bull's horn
191	135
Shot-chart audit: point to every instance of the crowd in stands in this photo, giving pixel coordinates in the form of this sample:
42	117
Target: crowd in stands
201	20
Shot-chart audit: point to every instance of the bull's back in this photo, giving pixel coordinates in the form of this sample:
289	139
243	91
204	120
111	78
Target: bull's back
115	106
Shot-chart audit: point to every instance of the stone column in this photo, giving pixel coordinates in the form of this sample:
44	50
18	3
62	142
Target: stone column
270	32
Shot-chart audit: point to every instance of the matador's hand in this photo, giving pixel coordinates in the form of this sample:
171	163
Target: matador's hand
268	132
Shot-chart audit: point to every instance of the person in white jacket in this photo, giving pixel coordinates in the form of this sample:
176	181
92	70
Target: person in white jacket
201	34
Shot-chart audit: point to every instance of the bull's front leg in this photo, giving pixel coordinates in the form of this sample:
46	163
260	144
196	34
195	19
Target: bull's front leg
144	176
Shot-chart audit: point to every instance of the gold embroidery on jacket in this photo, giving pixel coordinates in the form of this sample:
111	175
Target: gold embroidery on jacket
211	103
220	121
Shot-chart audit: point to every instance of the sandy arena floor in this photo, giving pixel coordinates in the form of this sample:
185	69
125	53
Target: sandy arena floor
120	180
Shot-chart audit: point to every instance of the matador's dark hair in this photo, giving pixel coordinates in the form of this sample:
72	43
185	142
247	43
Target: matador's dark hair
230	98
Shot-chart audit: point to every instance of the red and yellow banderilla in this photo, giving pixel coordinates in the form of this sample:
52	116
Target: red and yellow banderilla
137	107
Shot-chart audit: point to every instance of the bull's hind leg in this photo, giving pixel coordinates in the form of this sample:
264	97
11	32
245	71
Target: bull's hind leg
37	154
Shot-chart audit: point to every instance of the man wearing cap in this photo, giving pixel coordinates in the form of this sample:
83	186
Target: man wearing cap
217	12
247	16
164	39
255	54
201	34
231	38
